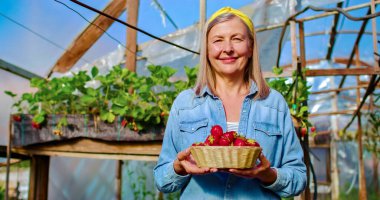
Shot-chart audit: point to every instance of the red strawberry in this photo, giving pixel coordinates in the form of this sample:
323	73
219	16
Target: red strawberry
216	131
240	141
36	125
252	142
231	135
312	129
210	141
224	141
124	123
303	131
16	118
198	144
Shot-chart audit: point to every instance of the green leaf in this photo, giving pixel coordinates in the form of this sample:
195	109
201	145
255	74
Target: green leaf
37	82
277	70
10	93
107	116
27	97
94	71
62	122
92	92
39	118
86	100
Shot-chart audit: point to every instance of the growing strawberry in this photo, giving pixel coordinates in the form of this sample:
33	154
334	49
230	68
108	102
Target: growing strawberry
312	129
36	125
124	123
303	131
16	118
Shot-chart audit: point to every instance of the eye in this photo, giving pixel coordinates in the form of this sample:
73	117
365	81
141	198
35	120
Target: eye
216	41
237	39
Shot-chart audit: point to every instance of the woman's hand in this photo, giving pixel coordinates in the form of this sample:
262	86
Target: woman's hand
262	171
185	164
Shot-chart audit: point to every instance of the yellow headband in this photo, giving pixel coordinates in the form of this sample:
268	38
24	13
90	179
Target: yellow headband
235	12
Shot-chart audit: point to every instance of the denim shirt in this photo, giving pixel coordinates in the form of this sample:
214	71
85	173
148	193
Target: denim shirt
267	121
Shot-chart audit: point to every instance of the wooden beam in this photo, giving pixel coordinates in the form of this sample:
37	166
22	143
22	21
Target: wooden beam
333	33
341	72
131	47
325	14
88	37
339	60
337	89
343	112
6	66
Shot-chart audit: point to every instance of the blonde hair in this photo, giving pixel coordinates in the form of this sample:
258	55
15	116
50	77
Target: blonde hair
206	75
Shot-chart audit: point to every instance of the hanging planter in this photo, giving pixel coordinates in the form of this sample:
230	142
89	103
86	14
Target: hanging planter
117	106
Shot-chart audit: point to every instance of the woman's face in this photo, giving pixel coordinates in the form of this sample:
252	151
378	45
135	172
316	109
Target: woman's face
229	48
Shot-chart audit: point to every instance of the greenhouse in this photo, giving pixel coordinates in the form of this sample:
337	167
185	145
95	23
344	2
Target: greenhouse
87	89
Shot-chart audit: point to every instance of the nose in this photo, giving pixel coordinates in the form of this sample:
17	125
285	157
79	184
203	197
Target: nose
228	47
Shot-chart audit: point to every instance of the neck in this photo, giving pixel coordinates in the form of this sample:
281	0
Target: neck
232	88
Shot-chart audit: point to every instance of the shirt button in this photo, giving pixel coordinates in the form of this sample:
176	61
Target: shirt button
192	129
243	111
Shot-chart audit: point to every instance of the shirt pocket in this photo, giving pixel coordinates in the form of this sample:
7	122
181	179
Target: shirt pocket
193	131
269	137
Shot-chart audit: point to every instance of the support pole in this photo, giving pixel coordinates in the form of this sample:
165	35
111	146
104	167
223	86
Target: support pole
131	47
39	178
362	180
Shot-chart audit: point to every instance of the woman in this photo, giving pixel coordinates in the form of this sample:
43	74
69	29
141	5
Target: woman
231	92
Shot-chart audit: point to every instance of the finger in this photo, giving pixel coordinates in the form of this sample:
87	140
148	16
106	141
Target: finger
183	154
213	170
241	173
193	169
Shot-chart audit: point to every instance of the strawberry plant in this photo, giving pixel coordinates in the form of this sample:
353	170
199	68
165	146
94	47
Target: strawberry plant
296	93
141	101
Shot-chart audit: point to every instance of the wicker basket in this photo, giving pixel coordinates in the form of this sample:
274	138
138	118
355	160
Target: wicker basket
225	156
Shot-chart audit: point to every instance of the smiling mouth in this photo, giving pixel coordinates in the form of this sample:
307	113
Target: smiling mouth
228	60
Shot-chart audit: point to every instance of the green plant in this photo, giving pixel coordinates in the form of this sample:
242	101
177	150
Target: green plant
296	93
372	132
142	101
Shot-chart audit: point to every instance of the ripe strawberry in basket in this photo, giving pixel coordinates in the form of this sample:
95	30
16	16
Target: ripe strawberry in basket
216	131
231	135
224	141
198	144
240	141
211	141
252	142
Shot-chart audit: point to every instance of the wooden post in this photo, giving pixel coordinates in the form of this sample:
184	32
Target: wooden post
39	178
8	159
202	17
333	147
131	47
362	180
293	42
302	62
118	183
374	36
